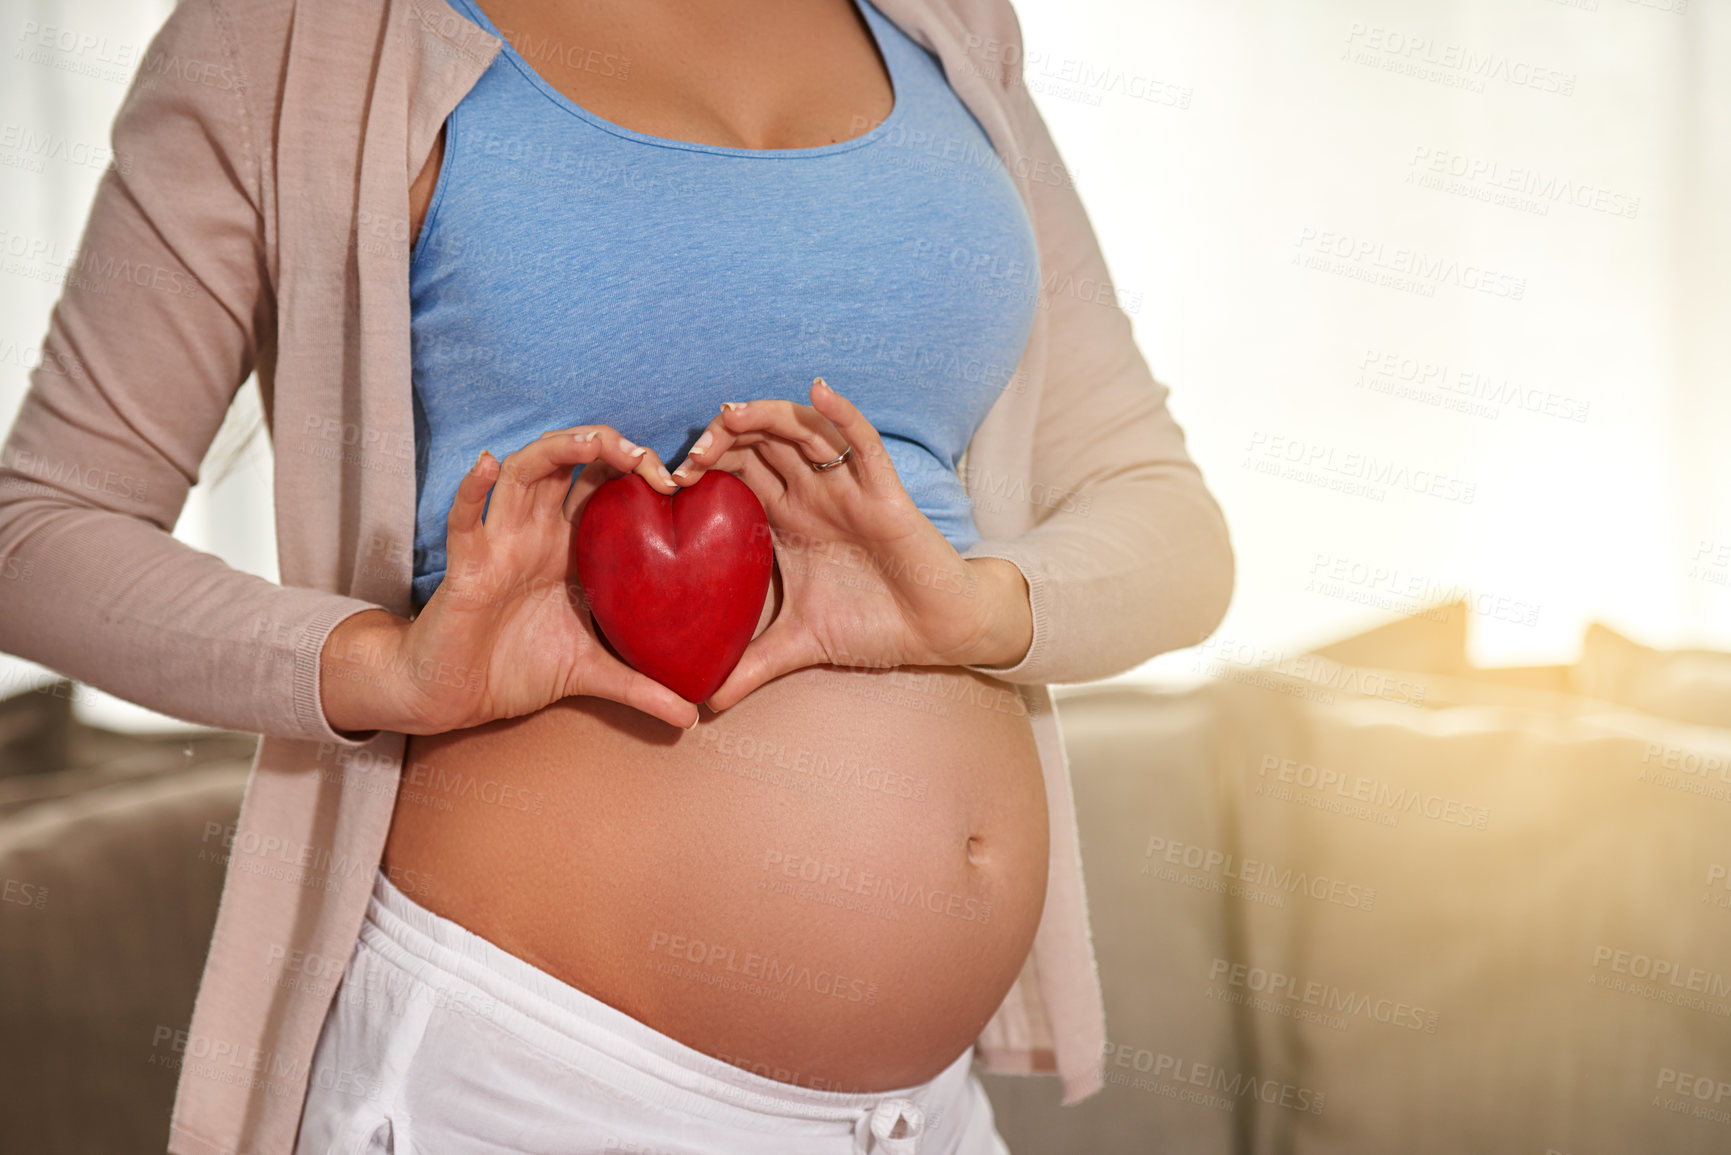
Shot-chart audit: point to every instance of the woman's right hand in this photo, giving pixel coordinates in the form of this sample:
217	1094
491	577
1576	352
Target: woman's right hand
507	631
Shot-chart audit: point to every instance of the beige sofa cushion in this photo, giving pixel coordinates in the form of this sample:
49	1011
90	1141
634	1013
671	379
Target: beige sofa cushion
1688	685
107	899
1446	919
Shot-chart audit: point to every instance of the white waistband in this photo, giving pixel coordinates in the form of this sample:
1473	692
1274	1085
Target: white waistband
425	942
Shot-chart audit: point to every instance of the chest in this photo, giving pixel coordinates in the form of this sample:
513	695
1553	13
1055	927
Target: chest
738	73
568	259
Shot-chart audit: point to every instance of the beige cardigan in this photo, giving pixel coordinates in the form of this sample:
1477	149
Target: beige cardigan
261	225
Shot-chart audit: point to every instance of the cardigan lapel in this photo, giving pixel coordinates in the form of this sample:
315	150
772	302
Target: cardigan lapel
446	56
349	199
431	58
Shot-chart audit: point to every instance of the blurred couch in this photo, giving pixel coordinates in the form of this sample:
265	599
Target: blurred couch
1366	899
1374	900
108	893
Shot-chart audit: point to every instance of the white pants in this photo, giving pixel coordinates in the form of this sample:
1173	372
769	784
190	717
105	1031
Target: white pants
440	1042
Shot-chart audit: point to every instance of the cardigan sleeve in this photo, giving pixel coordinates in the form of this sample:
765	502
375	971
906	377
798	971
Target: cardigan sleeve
164	310
1129	555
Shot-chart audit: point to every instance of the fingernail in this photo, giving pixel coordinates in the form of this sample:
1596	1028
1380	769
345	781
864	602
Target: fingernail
820	381
736	406
694	722
666	477
683	466
702	444
589	436
632	449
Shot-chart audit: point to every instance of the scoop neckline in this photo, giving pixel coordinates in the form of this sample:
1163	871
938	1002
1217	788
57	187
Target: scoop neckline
560	100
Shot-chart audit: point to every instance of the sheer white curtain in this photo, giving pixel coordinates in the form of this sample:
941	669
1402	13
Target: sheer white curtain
1439	289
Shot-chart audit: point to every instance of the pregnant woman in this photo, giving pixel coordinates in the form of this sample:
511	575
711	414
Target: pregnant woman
492	889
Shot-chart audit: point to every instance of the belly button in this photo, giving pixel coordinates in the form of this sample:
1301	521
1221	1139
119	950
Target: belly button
976	849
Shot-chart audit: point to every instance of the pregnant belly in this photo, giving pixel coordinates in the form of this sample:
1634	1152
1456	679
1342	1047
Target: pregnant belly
833	884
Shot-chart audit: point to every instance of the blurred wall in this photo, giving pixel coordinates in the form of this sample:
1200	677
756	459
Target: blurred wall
66	67
1439	290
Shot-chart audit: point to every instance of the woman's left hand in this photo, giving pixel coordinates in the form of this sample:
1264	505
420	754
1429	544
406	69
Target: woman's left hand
867	579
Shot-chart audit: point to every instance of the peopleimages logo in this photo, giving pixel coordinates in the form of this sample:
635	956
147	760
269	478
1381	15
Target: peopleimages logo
1277	985
1694	1094
764	973
1696	980
1492	176
1255	872
1401	267
1221	657
1358	788
1191	1079
850	879
40	145
1455	65
1383	371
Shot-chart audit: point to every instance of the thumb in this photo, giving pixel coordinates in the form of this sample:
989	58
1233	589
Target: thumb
780	649
607	677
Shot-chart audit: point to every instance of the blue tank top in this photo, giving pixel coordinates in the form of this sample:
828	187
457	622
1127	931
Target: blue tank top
571	271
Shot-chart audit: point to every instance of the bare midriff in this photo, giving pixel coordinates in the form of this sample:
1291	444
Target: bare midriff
834	883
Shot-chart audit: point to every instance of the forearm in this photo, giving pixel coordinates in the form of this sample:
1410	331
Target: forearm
1125	553
360	689
1008	618
1146	571
117	603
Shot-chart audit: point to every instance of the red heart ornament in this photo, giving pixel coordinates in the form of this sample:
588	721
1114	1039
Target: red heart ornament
676	581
